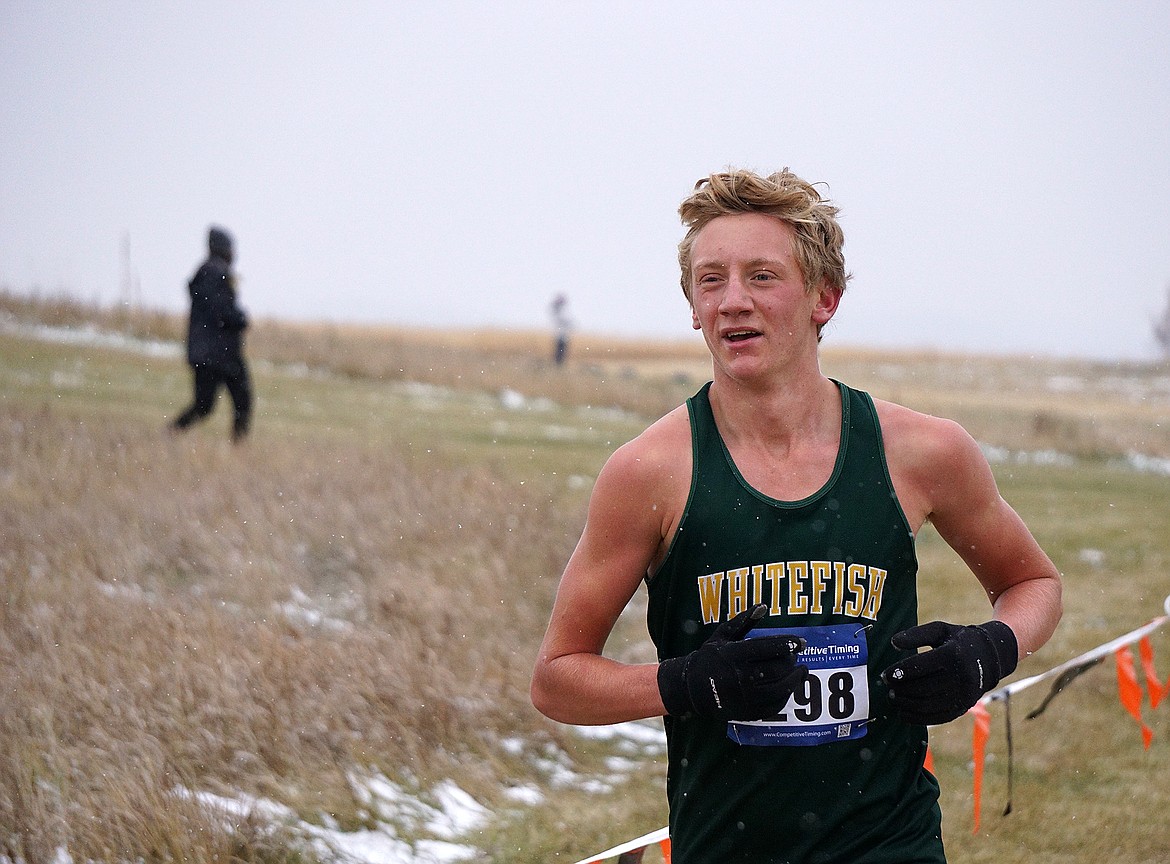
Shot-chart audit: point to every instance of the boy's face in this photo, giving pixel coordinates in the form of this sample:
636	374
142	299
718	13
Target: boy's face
748	295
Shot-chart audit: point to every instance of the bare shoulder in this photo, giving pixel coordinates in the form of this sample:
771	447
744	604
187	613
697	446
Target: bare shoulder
645	482
655	460
930	458
661	440
913	435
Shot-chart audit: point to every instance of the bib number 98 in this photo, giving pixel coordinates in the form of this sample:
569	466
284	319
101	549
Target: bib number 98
824	696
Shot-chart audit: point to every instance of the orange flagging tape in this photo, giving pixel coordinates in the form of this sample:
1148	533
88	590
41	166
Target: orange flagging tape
1156	689
1130	692
978	749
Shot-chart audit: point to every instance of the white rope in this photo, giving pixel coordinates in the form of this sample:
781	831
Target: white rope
1089	656
640	843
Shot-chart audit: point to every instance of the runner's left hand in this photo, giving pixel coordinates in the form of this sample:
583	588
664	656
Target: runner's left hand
964	663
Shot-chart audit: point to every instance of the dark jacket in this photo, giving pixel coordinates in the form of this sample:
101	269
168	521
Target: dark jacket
216	327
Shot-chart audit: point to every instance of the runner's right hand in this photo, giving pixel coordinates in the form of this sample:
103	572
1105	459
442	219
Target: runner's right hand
730	677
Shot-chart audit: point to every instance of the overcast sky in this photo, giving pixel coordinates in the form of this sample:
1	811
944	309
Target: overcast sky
1003	168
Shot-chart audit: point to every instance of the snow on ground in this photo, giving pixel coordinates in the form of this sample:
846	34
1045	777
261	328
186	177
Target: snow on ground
1026	457
90	335
442	815
393	812
1144	464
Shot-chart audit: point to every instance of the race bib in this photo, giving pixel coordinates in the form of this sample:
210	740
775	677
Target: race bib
833	704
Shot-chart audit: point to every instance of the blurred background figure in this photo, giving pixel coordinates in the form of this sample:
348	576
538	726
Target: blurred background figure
561	326
215	339
1162	327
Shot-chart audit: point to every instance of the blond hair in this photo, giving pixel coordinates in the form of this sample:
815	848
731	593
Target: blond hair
818	240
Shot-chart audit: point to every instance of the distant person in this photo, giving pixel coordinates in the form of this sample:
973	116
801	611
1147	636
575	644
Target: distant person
772	519
561	326
215	337
1162	327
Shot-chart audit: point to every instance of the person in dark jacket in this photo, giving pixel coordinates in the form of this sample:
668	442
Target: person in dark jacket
215	339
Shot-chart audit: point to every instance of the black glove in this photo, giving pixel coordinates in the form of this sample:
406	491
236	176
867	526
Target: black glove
732	678
940	685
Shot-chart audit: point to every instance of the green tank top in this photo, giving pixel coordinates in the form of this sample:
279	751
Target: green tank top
835	777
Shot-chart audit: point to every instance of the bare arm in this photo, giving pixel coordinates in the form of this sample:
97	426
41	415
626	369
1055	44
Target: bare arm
966	508
630	514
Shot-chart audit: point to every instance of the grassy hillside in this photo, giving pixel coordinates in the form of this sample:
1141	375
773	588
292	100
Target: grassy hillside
359	590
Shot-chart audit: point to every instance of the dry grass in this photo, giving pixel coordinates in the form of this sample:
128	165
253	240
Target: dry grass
155	631
143	646
1090	409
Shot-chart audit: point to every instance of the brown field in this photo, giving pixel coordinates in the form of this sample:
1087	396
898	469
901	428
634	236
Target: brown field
361	587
